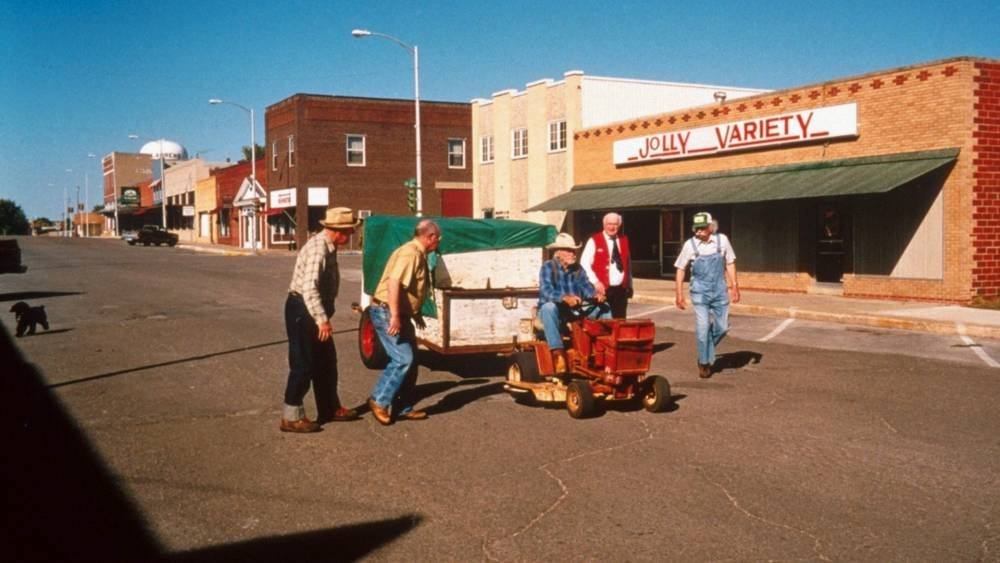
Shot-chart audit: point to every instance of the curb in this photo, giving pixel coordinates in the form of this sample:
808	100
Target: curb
918	325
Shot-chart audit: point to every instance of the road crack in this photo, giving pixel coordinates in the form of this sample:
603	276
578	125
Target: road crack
564	490
817	544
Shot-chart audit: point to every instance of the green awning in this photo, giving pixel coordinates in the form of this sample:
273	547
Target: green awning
852	176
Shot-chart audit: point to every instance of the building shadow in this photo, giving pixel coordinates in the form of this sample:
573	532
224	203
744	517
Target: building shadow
62	503
26	295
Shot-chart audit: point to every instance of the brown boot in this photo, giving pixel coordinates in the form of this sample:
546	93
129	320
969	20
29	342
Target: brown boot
704	371
559	361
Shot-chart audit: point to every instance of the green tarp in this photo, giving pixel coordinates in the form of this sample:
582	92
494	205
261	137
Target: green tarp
853	176
385	233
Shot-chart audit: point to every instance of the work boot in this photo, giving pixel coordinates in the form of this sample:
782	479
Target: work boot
559	361
704	371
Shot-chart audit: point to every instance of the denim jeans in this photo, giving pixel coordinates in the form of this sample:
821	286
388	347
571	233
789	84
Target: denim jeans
708	332
553	315
399	376
309	361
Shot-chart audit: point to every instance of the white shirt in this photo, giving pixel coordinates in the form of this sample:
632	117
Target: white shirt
707	247
615	276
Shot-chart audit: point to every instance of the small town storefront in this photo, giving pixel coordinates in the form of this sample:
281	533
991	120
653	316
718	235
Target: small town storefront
249	205
881	185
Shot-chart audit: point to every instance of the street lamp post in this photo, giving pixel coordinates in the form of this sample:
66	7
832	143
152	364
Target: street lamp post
163	182
253	167
86	197
359	33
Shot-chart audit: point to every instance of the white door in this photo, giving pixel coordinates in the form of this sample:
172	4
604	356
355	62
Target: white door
205	225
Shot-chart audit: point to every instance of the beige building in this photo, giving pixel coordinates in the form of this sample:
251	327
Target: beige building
180	181
205	210
523	154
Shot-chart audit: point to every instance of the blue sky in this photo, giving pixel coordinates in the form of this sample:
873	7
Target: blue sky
78	77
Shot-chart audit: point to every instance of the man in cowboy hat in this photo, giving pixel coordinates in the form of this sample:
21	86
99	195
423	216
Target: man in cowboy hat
312	356
713	286
562	287
396	303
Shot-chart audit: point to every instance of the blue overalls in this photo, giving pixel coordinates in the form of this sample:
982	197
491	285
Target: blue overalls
709	294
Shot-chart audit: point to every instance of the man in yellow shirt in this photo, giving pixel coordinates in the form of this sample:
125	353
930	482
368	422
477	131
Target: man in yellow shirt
396	303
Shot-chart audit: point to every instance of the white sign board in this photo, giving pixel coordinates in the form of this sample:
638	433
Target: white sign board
808	125
319	197
280	199
188	211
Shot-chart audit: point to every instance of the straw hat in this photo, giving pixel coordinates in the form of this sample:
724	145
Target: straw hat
564	241
340	218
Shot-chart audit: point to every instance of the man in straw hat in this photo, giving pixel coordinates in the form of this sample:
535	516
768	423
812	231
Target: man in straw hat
312	356
562	287
713	286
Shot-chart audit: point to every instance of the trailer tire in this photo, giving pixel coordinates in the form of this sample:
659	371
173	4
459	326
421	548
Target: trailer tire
370	348
656	394
580	399
523	367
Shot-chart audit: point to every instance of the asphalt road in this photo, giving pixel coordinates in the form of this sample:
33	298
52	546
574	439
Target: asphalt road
822	442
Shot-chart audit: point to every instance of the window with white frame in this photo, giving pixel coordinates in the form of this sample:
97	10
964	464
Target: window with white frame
486	149
557	135
291	151
274	155
519	143
355	150
456	153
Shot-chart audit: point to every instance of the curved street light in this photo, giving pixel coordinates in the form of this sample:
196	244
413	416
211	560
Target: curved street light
361	33
253	166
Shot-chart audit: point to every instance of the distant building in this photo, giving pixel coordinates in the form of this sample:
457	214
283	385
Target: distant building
123	173
357	152
180	181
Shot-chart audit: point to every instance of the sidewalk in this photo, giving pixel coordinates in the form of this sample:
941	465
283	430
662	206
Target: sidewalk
905	315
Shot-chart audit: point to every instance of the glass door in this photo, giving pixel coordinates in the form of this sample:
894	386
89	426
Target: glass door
671	239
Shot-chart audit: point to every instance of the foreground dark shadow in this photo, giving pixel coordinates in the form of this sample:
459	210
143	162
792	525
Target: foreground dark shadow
26	295
735	360
61	503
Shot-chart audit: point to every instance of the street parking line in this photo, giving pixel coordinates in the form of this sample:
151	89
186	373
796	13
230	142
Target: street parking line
781	328
975	347
666	308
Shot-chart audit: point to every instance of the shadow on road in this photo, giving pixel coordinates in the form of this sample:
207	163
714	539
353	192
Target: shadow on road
48	332
61	503
736	360
26	295
661	346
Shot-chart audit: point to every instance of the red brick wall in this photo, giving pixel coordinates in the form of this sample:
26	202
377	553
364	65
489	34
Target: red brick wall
986	181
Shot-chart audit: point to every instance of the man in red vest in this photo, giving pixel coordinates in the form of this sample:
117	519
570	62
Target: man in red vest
608	263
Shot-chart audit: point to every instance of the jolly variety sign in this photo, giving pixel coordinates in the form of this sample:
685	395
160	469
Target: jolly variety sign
808	125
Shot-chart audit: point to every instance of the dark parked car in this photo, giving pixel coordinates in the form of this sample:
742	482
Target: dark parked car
154	234
10	257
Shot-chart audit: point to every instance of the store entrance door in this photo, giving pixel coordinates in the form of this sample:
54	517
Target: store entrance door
671	239
832	242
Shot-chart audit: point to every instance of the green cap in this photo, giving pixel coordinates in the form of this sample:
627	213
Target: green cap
701	220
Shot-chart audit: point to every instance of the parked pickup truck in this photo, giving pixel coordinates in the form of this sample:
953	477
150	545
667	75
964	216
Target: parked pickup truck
154	234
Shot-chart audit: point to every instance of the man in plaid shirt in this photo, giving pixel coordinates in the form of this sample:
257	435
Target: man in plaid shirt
562	287
312	356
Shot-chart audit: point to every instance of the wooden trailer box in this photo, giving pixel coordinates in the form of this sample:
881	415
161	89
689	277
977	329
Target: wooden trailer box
479	320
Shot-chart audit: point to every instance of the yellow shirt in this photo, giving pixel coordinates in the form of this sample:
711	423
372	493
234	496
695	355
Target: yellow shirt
408	264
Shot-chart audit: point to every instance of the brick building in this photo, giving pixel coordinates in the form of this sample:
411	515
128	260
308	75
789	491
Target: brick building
881	185
123	174
332	150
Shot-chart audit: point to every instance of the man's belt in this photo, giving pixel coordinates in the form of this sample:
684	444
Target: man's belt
380	303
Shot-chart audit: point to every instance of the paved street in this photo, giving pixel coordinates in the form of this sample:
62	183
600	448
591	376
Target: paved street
816	442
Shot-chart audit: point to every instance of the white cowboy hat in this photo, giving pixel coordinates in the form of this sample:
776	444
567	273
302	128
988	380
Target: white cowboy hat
340	218
564	241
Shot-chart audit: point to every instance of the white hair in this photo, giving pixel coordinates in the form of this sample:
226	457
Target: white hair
612	215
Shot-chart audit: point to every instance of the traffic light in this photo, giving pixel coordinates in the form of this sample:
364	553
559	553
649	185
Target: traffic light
411	193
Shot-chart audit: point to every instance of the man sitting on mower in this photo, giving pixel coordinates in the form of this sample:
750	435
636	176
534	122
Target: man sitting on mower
562	288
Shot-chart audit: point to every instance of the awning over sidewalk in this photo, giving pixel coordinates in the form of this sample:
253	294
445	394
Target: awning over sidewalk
853	176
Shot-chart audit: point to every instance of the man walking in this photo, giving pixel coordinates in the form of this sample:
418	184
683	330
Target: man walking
713	286
608	262
562	287
396	303
312	355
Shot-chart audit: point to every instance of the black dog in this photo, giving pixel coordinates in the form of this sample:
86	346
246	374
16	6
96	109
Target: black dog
29	317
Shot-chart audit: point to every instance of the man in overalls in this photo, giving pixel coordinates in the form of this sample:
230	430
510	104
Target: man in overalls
713	287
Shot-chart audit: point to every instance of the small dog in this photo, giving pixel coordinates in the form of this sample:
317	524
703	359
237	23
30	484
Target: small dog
29	317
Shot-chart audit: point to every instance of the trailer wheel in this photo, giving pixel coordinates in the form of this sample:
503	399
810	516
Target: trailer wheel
523	367
579	399
656	394
373	356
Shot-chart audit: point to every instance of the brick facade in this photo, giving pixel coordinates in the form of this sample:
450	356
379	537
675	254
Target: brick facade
916	108
319	126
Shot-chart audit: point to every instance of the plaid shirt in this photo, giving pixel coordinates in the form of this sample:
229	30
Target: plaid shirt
554	282
317	277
